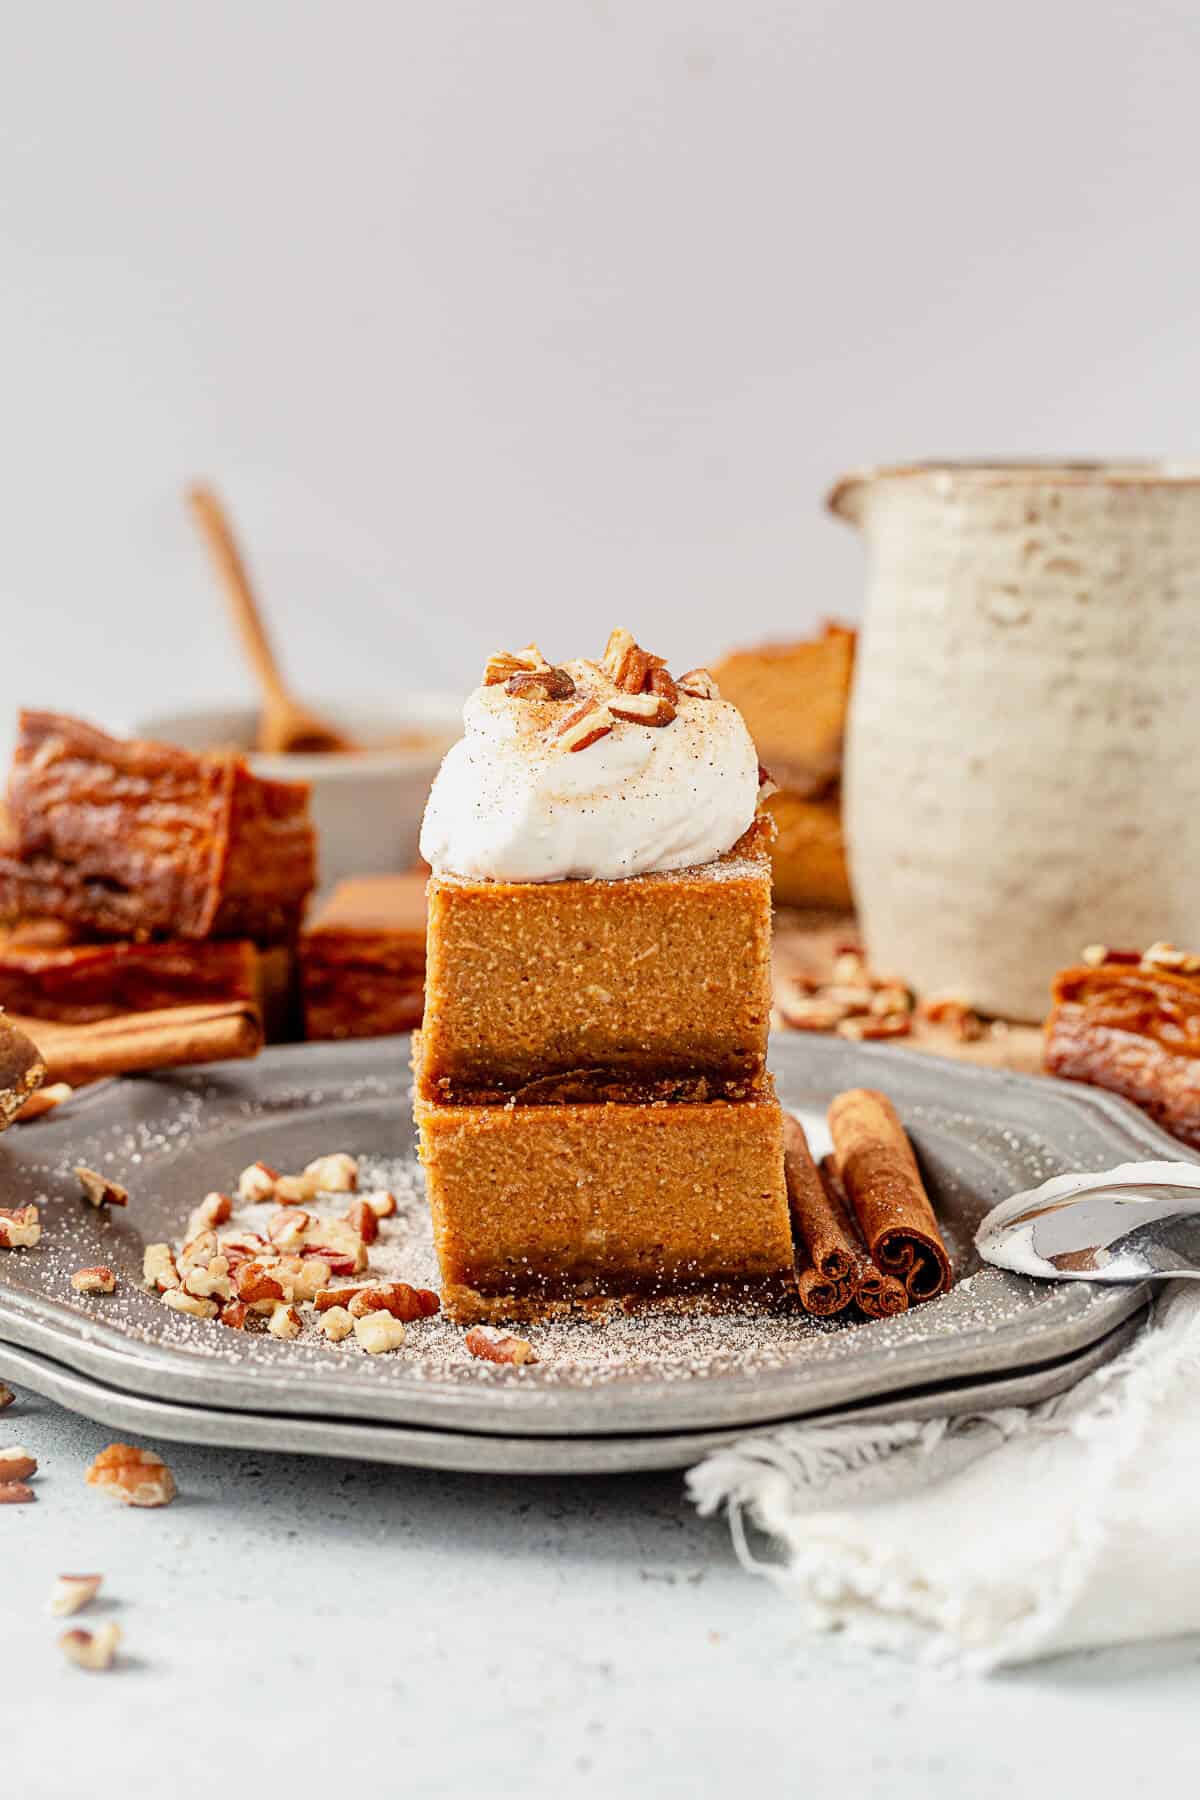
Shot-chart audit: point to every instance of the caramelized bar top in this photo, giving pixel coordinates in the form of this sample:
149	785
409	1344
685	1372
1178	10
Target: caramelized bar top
189	845
1162	1004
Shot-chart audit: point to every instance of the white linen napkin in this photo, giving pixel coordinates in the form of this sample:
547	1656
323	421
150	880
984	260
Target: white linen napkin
996	1538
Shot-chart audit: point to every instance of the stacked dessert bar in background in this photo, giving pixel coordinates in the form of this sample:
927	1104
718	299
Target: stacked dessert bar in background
362	959
597	1121
794	699
136	877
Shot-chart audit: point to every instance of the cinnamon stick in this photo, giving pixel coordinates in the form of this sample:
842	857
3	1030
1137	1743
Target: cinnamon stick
876	1164
139	1042
825	1235
877	1296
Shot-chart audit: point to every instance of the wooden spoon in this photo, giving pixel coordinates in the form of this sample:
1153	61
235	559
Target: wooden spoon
283	724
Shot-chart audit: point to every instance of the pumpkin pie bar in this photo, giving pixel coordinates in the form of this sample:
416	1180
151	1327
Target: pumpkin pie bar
794	699
543	1210
1129	1021
649	988
362	960
597	1124
137	839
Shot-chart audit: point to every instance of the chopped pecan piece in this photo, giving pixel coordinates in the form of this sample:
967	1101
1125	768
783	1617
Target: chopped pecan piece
6	1396
307	1274
94	1281
99	1189
396	1297
72	1593
961	1019
91	1649
499	1348
365	1220
19	1227
625	663
584	725
699	684
891	1025
233	1314
504	663
378	1332
198	1252
286	1228
16	1493
381	1203
809	1013
284	1321
137	1477
158	1267
1166	956
541	684
195	1305
16	1464
335	1174
239	1247
643	709
214	1209
255	1282
211	1282
257	1182
336	1324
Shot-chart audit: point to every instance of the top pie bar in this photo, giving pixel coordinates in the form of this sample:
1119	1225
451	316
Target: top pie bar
652	988
140	839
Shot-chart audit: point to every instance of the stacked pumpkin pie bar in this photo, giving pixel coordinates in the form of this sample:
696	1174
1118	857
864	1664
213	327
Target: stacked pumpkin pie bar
597	1122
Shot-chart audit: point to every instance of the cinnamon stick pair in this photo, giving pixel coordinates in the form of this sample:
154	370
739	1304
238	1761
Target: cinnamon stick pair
864	1217
839	1267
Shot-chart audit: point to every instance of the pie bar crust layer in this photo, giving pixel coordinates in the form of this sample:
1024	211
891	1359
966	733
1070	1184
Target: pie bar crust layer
362	961
653	987
139	839
540	1211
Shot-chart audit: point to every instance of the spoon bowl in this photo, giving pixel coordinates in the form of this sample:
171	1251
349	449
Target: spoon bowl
1135	1223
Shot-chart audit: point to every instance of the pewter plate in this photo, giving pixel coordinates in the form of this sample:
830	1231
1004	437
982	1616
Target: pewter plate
486	1454
980	1135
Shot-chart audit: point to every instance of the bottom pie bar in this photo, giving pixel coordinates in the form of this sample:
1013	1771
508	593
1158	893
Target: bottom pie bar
540	1211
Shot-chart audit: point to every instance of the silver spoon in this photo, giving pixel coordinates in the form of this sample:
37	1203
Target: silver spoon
1138	1222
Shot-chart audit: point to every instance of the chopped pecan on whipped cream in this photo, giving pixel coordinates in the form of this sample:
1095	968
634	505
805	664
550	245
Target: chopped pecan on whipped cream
584	725
504	663
541	684
515	801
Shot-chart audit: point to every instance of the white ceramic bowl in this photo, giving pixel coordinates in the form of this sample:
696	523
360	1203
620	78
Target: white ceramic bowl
367	806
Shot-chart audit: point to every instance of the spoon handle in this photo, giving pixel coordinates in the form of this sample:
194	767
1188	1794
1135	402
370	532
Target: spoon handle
217	532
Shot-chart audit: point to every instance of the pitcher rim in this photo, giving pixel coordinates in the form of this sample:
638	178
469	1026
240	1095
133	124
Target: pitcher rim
1011	472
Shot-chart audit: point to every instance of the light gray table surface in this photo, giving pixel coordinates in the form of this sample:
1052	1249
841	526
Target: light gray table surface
295	1626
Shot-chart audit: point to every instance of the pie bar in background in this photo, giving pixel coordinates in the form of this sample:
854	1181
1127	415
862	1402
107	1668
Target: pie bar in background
1129	1021
150	900
597	1122
362	960
793	698
137	839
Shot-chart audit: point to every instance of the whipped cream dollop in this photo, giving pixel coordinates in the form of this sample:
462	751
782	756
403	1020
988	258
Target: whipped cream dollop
511	803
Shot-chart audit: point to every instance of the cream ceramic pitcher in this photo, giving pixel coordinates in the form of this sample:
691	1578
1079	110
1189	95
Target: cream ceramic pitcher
1023	754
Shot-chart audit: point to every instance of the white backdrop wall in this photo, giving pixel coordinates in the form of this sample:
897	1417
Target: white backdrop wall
499	318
